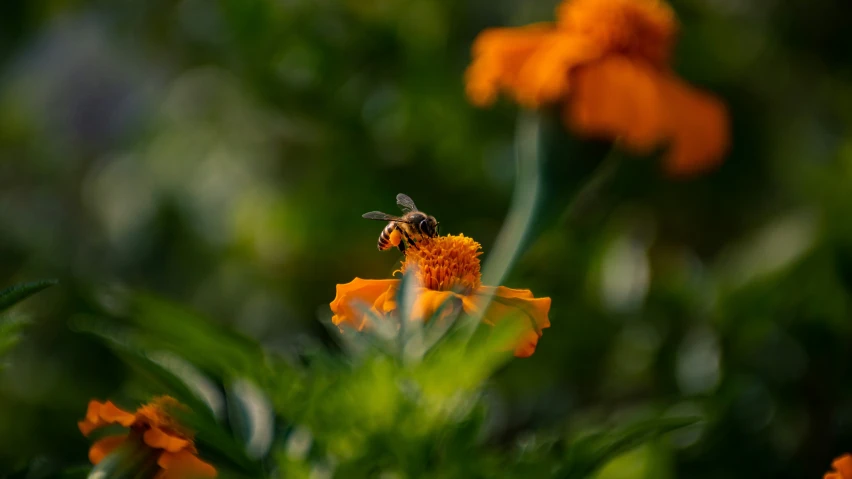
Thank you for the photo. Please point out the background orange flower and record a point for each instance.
(842, 468)
(158, 431)
(607, 61)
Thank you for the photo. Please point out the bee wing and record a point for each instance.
(405, 202)
(378, 215)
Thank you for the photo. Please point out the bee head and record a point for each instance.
(429, 226)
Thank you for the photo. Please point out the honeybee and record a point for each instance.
(412, 225)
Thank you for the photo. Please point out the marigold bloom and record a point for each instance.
(607, 62)
(448, 280)
(842, 468)
(157, 430)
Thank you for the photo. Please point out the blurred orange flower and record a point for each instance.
(157, 430)
(447, 273)
(842, 468)
(607, 62)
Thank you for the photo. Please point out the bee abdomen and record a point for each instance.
(385, 237)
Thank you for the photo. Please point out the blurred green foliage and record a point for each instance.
(220, 154)
(11, 327)
(370, 414)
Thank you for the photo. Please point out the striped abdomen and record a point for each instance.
(390, 237)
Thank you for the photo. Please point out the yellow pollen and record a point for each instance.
(445, 263)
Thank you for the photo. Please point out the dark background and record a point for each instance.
(220, 154)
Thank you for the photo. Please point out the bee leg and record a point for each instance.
(408, 238)
(400, 232)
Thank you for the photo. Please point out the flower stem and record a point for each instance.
(524, 201)
(521, 213)
(602, 175)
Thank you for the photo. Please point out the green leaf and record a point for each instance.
(9, 332)
(19, 292)
(593, 451)
(251, 417)
(10, 327)
(196, 339)
(43, 467)
(76, 472)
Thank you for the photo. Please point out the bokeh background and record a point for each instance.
(220, 153)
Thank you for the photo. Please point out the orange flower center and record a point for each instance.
(445, 263)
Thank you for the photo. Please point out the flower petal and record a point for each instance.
(93, 411)
(104, 447)
(100, 414)
(498, 55)
(508, 302)
(112, 414)
(842, 467)
(354, 298)
(386, 302)
(183, 465)
(159, 439)
(644, 108)
(640, 28)
(699, 129)
(545, 76)
(526, 344)
(429, 303)
(87, 427)
(619, 98)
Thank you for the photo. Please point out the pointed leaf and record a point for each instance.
(592, 452)
(19, 292)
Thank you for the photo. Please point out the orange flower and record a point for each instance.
(607, 62)
(446, 269)
(156, 429)
(842, 468)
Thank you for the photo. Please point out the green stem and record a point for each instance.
(524, 201)
(602, 175)
(521, 213)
